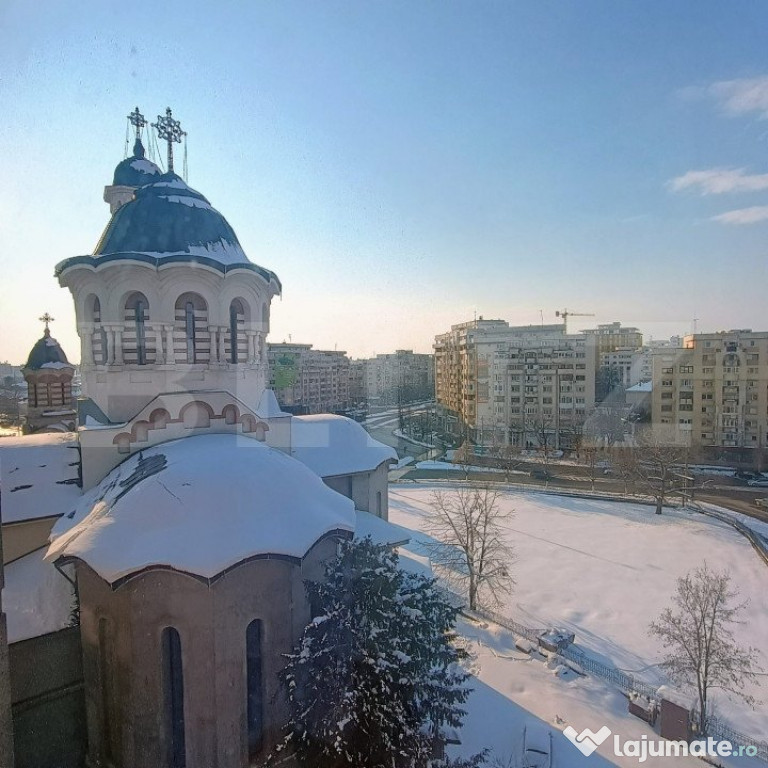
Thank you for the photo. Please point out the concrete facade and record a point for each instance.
(307, 380)
(525, 386)
(714, 392)
(402, 376)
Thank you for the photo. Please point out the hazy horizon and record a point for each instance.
(404, 167)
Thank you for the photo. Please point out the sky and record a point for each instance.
(403, 166)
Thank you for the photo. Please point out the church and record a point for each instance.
(157, 531)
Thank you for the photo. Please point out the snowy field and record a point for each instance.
(605, 570)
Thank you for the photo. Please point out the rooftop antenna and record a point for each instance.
(169, 130)
(541, 312)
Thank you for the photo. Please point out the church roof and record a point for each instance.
(47, 353)
(200, 505)
(335, 445)
(38, 476)
(136, 171)
(168, 222)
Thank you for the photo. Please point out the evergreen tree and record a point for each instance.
(376, 675)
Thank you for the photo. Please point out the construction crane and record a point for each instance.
(565, 314)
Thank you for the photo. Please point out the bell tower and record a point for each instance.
(168, 301)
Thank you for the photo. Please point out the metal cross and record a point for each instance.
(46, 318)
(169, 130)
(136, 119)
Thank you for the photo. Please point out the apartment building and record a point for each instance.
(400, 377)
(609, 337)
(307, 380)
(358, 389)
(525, 386)
(628, 366)
(714, 390)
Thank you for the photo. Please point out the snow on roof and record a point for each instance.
(413, 563)
(37, 599)
(200, 505)
(335, 445)
(643, 386)
(37, 474)
(381, 531)
(268, 407)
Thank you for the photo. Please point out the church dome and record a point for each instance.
(47, 353)
(168, 218)
(136, 171)
(201, 505)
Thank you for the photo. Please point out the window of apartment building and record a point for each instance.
(753, 359)
(707, 371)
(666, 382)
(685, 407)
(707, 396)
(686, 382)
(686, 369)
(685, 421)
(667, 370)
(666, 395)
(707, 384)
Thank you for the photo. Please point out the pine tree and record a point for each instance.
(377, 673)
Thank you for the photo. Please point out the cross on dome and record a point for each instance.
(46, 318)
(169, 130)
(138, 121)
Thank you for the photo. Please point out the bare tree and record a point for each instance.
(697, 635)
(659, 457)
(468, 525)
(590, 452)
(624, 462)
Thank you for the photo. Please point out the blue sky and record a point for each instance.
(403, 165)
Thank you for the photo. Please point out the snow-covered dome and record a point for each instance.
(136, 171)
(47, 353)
(168, 218)
(200, 505)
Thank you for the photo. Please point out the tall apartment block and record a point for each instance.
(400, 377)
(524, 386)
(714, 391)
(307, 380)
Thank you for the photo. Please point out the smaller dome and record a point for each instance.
(135, 171)
(47, 354)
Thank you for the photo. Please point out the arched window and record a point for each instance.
(135, 334)
(189, 330)
(173, 699)
(99, 341)
(255, 700)
(237, 341)
(233, 332)
(192, 339)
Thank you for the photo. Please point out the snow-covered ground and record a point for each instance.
(605, 570)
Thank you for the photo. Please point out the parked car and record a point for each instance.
(761, 483)
(541, 474)
(537, 746)
(746, 474)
